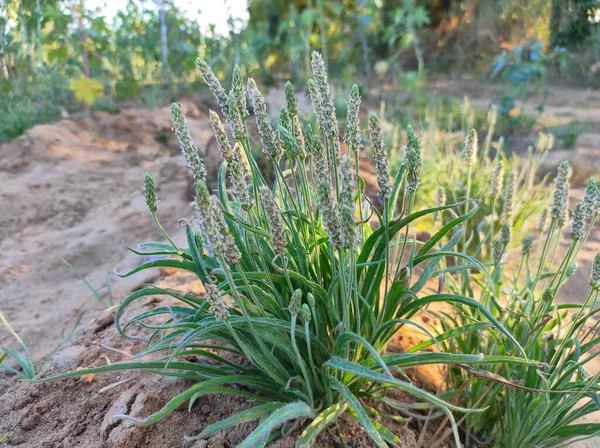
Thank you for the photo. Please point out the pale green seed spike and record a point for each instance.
(305, 313)
(527, 243)
(595, 274)
(310, 299)
(296, 302)
(505, 234)
(222, 140)
(188, 148)
(150, 193)
(270, 144)
(213, 84)
(288, 142)
(284, 118)
(315, 98)
(299, 135)
(290, 99)
(578, 223)
(276, 225)
(202, 196)
(413, 160)
(548, 295)
(470, 148)
(496, 179)
(558, 209)
(501, 242)
(353, 135)
(237, 85)
(218, 306)
(509, 195)
(590, 197)
(314, 147)
(380, 159)
(235, 120)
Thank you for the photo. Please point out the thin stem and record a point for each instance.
(164, 232)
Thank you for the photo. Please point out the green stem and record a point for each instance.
(164, 232)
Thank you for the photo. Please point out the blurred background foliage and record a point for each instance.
(63, 56)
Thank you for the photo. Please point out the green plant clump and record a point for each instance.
(306, 280)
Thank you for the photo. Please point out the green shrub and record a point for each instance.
(541, 405)
(301, 287)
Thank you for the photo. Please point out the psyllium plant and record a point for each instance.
(537, 406)
(503, 185)
(305, 280)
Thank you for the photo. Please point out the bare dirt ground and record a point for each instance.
(73, 190)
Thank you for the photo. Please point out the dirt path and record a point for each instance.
(73, 190)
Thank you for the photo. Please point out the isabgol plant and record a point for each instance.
(533, 406)
(305, 279)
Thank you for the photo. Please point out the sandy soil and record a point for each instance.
(73, 190)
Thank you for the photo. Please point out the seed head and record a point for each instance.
(501, 242)
(505, 234)
(591, 197)
(271, 146)
(492, 115)
(380, 157)
(496, 179)
(314, 147)
(347, 181)
(527, 243)
(509, 195)
(217, 305)
(222, 140)
(548, 295)
(305, 313)
(290, 99)
(558, 209)
(578, 223)
(299, 136)
(331, 220)
(315, 98)
(440, 200)
(240, 184)
(595, 275)
(413, 160)
(188, 148)
(288, 142)
(353, 136)
(276, 226)
(440, 197)
(150, 193)
(214, 227)
(470, 148)
(348, 187)
(238, 129)
(237, 85)
(213, 84)
(328, 123)
(310, 299)
(284, 117)
(544, 142)
(296, 302)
